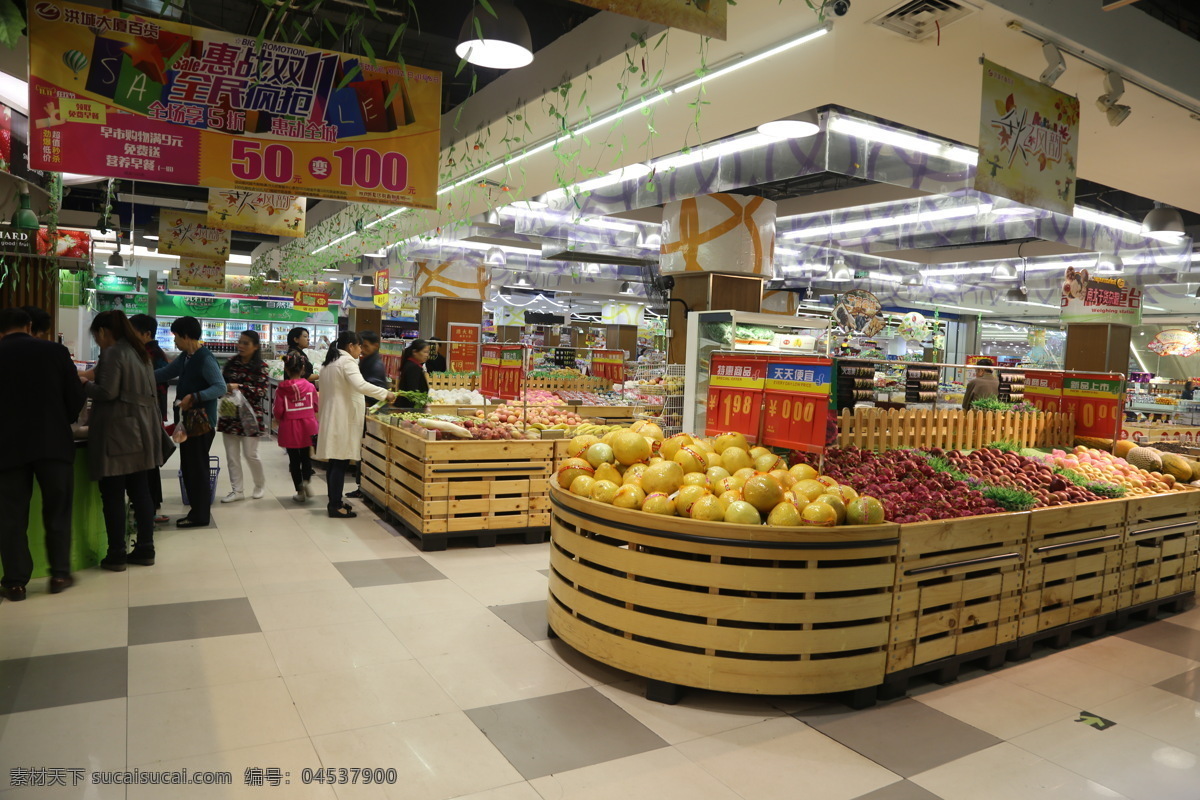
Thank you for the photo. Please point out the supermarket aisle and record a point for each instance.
(282, 640)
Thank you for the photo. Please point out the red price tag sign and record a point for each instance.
(464, 347)
(1045, 390)
(735, 395)
(1096, 402)
(489, 379)
(609, 364)
(797, 403)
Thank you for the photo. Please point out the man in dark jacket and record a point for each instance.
(39, 400)
(985, 385)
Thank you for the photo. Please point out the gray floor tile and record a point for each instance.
(905, 736)
(1172, 638)
(527, 619)
(199, 620)
(387, 527)
(901, 790)
(27, 684)
(561, 732)
(387, 571)
(1186, 685)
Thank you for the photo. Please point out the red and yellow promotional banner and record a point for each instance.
(1095, 400)
(503, 371)
(463, 350)
(182, 233)
(124, 96)
(609, 364)
(797, 402)
(200, 273)
(257, 212)
(310, 302)
(383, 288)
(1044, 390)
(735, 395)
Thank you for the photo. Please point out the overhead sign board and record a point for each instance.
(124, 96)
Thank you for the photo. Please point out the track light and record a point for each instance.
(501, 41)
(1164, 221)
(625, 288)
(1114, 86)
(115, 260)
(495, 257)
(1055, 65)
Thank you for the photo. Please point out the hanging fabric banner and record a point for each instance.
(182, 233)
(256, 212)
(1028, 140)
(199, 273)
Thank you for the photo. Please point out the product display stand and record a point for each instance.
(856, 610)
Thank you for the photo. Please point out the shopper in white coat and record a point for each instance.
(340, 440)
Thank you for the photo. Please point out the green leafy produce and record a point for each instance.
(1007, 445)
(1010, 499)
(1033, 452)
(1110, 490)
(754, 332)
(1071, 475)
(989, 404)
(942, 465)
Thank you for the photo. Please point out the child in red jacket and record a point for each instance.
(296, 402)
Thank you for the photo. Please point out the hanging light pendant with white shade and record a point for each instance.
(800, 126)
(496, 42)
(840, 272)
(1164, 221)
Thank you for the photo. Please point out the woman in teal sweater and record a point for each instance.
(200, 386)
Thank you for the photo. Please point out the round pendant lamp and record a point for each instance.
(496, 42)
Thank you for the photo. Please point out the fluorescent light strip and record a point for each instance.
(338, 240)
(655, 98)
(1121, 224)
(888, 222)
(947, 305)
(1154, 308)
(1031, 303)
(386, 216)
(859, 129)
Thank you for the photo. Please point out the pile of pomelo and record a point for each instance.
(717, 480)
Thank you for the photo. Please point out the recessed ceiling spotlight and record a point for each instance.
(800, 126)
(501, 41)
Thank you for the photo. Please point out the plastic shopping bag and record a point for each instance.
(247, 416)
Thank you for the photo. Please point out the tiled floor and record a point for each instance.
(281, 639)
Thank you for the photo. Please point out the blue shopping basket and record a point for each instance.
(214, 469)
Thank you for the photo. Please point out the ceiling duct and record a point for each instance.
(920, 19)
(557, 251)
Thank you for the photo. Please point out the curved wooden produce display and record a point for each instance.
(734, 608)
(762, 610)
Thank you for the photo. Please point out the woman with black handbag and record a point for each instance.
(200, 386)
(125, 437)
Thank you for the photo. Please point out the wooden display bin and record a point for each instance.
(463, 488)
(726, 607)
(958, 587)
(607, 412)
(442, 380)
(1161, 548)
(1073, 564)
(374, 465)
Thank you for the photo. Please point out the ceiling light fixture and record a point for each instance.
(495, 257)
(867, 131)
(934, 215)
(912, 279)
(649, 99)
(1055, 65)
(1004, 272)
(946, 305)
(1164, 221)
(499, 41)
(115, 260)
(840, 272)
(800, 126)
(625, 288)
(1114, 86)
(272, 276)
(150, 236)
(1110, 265)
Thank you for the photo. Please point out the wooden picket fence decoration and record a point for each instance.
(950, 429)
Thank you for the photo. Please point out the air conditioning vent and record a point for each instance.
(920, 19)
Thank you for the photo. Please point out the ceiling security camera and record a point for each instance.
(841, 7)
